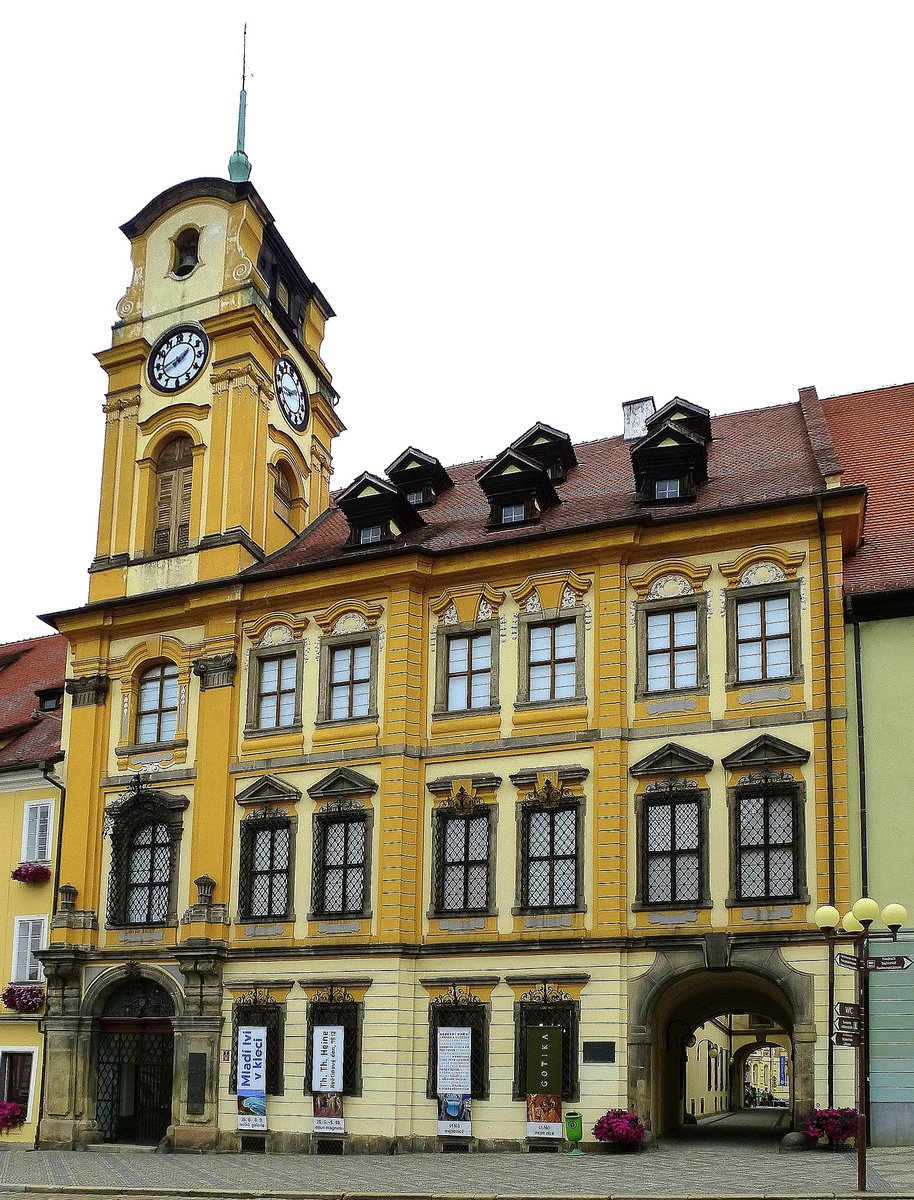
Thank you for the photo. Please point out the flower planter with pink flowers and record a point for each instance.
(12, 1115)
(619, 1130)
(23, 998)
(31, 873)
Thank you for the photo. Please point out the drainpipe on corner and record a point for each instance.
(46, 771)
(829, 782)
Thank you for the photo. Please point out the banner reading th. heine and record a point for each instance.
(544, 1081)
(327, 1078)
(453, 1082)
(251, 1080)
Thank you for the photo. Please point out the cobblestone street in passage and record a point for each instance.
(737, 1156)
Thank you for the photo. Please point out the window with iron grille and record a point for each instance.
(672, 649)
(341, 845)
(350, 681)
(461, 857)
(469, 671)
(549, 859)
(265, 867)
(148, 875)
(142, 880)
(465, 1013)
(276, 690)
(271, 1015)
(561, 1014)
(673, 866)
(157, 706)
(337, 1007)
(768, 862)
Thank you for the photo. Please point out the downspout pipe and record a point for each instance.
(829, 780)
(48, 776)
(861, 748)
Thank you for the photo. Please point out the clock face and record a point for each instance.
(290, 393)
(177, 358)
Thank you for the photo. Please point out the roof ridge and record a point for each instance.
(39, 637)
(886, 387)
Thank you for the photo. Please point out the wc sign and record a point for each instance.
(251, 1079)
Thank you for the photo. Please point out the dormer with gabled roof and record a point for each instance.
(671, 460)
(376, 511)
(419, 477)
(518, 489)
(548, 446)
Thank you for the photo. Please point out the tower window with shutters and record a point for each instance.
(174, 475)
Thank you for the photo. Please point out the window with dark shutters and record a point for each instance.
(174, 481)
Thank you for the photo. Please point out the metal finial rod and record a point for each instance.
(239, 163)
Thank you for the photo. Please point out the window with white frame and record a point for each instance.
(17, 1070)
(36, 831)
(29, 935)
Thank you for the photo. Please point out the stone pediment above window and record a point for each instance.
(419, 477)
(684, 415)
(765, 753)
(342, 784)
(268, 790)
(550, 447)
(376, 511)
(672, 759)
(518, 489)
(463, 605)
(349, 616)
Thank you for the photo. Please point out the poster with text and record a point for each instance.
(251, 1077)
(453, 1083)
(544, 1081)
(327, 1078)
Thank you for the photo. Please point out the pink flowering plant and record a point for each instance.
(837, 1125)
(31, 873)
(12, 1115)
(619, 1127)
(23, 998)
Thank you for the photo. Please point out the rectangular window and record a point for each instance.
(549, 857)
(29, 936)
(513, 514)
(16, 1077)
(276, 691)
(469, 671)
(340, 861)
(445, 1014)
(763, 639)
(552, 661)
(36, 831)
(369, 534)
(673, 852)
(561, 1014)
(666, 489)
(462, 862)
(350, 681)
(672, 649)
(348, 1015)
(271, 1015)
(417, 496)
(766, 845)
(265, 868)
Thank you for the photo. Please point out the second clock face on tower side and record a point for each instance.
(177, 358)
(290, 393)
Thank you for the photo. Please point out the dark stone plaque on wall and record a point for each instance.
(196, 1084)
(599, 1052)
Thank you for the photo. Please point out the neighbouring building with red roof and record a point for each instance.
(31, 708)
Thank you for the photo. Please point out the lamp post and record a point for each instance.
(856, 925)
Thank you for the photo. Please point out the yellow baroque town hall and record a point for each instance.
(552, 739)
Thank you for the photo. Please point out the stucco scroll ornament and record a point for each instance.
(277, 635)
(351, 623)
(667, 586)
(463, 802)
(449, 616)
(485, 610)
(239, 263)
(533, 604)
(761, 572)
(456, 995)
(333, 994)
(569, 599)
(130, 303)
(255, 996)
(763, 777)
(138, 788)
(343, 806)
(544, 993)
(671, 785)
(549, 795)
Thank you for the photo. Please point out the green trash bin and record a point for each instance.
(574, 1130)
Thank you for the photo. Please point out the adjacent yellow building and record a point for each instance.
(552, 739)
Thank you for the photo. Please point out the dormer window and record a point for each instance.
(418, 477)
(518, 489)
(513, 514)
(671, 460)
(282, 293)
(49, 699)
(186, 255)
(666, 489)
(369, 534)
(376, 511)
(550, 447)
(418, 496)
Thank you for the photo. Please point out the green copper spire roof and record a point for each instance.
(239, 164)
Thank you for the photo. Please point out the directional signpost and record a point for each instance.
(846, 1039)
(847, 1025)
(894, 962)
(843, 1009)
(849, 961)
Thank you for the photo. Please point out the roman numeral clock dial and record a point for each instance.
(177, 358)
(290, 393)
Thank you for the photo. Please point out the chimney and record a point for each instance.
(635, 414)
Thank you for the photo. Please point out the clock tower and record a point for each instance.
(220, 413)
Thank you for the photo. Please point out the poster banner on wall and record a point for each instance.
(251, 1078)
(783, 1070)
(327, 1078)
(453, 1083)
(544, 1081)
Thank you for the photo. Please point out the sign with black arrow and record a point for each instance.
(849, 961)
(895, 962)
(847, 1024)
(843, 1009)
(846, 1039)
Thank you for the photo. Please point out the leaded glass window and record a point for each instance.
(466, 1012)
(549, 858)
(763, 639)
(559, 1013)
(340, 864)
(469, 671)
(149, 875)
(672, 649)
(767, 844)
(552, 664)
(276, 691)
(350, 681)
(265, 866)
(462, 862)
(672, 840)
(157, 707)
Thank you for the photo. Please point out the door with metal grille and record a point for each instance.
(135, 1065)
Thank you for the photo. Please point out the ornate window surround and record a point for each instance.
(544, 1004)
(461, 1008)
(256, 819)
(461, 804)
(335, 1004)
(129, 670)
(760, 574)
(135, 809)
(344, 624)
(548, 793)
(274, 636)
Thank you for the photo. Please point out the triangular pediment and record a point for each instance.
(765, 751)
(268, 790)
(672, 759)
(683, 412)
(669, 434)
(341, 784)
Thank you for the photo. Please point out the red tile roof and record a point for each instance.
(36, 664)
(874, 437)
(757, 456)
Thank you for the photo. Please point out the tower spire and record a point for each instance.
(239, 164)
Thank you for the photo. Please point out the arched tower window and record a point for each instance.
(157, 706)
(283, 487)
(174, 475)
(186, 256)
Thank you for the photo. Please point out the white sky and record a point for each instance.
(520, 211)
